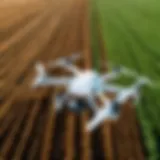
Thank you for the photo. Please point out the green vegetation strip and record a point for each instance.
(132, 37)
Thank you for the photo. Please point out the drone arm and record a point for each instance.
(49, 81)
(113, 88)
(64, 64)
(92, 104)
(137, 99)
(56, 81)
(72, 68)
(110, 76)
(95, 121)
(102, 115)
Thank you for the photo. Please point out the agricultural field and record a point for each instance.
(131, 34)
(46, 30)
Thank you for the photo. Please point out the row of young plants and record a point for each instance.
(129, 46)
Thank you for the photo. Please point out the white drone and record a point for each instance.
(112, 108)
(83, 85)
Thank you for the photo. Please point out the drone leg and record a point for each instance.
(92, 104)
(106, 113)
(99, 117)
(59, 102)
(115, 110)
(41, 74)
(73, 105)
(40, 69)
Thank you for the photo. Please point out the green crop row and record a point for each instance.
(131, 34)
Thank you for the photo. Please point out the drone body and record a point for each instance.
(82, 84)
(82, 88)
(85, 84)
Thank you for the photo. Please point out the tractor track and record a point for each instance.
(29, 127)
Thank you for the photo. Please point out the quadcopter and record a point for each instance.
(112, 108)
(81, 88)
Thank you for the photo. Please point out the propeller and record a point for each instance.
(65, 60)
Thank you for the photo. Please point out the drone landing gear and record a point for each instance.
(115, 111)
(59, 102)
(77, 105)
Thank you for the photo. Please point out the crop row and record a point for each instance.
(129, 41)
